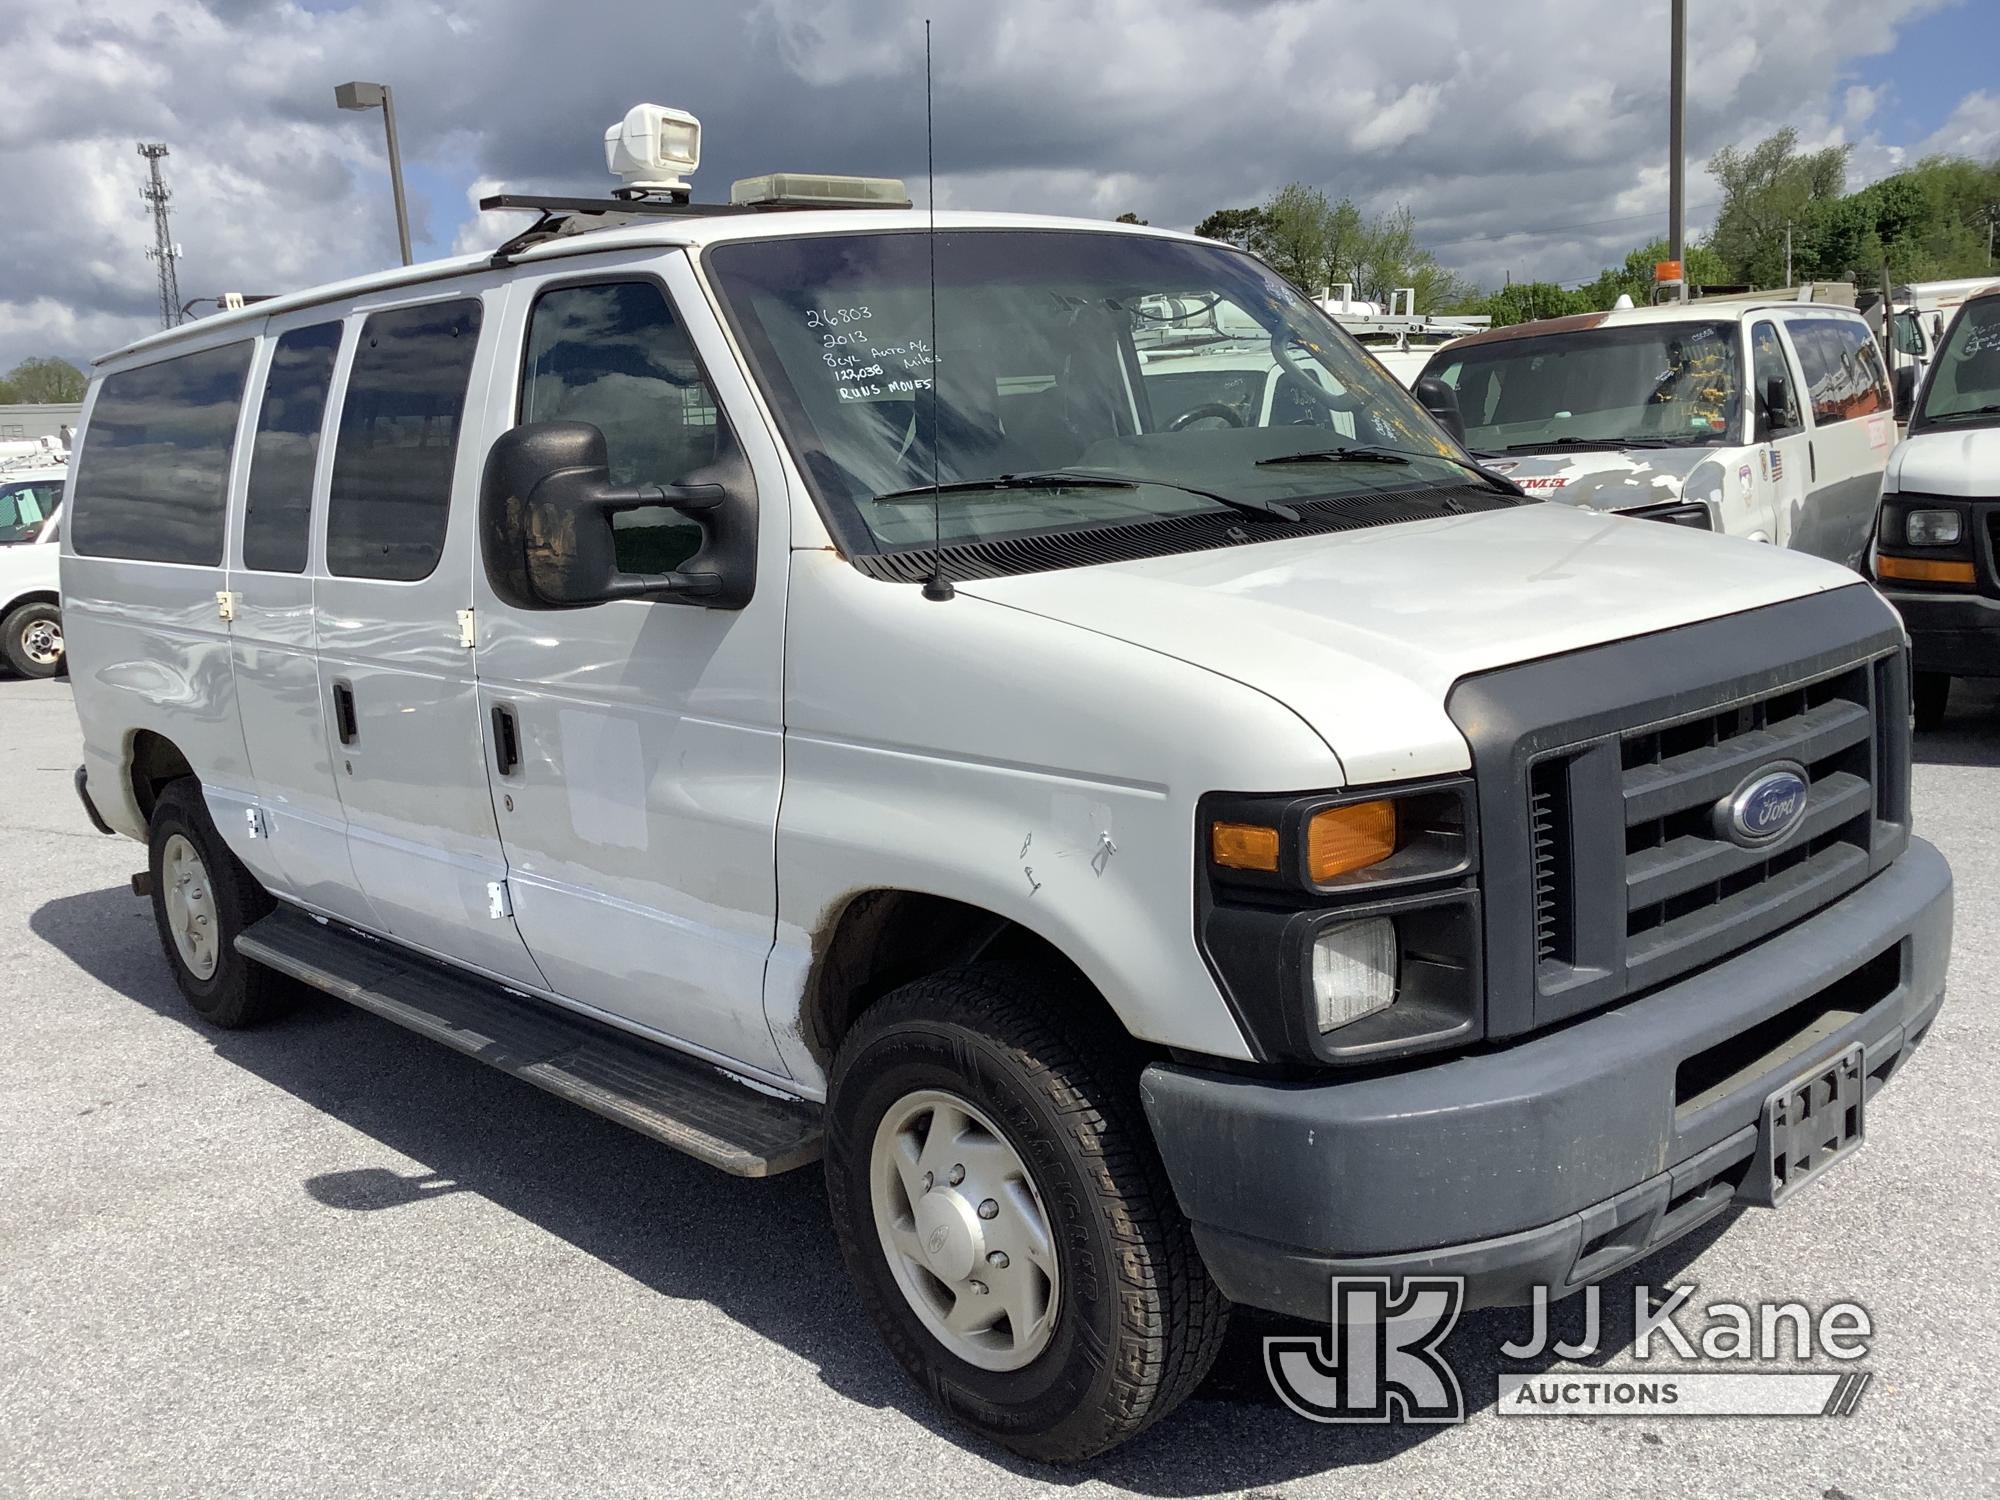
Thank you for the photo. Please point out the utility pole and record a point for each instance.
(1788, 252)
(1677, 145)
(164, 250)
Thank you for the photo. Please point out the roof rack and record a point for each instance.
(557, 214)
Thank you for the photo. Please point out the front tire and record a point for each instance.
(202, 898)
(31, 639)
(1930, 693)
(1061, 1306)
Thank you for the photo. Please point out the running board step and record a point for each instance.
(667, 1095)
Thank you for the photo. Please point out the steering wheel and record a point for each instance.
(1193, 414)
(1318, 394)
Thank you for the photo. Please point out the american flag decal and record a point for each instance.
(1777, 464)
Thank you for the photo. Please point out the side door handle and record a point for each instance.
(345, 725)
(506, 739)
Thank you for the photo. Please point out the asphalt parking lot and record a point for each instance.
(326, 1257)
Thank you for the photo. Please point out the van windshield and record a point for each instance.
(1640, 385)
(1175, 368)
(1964, 387)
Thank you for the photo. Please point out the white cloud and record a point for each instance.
(1530, 143)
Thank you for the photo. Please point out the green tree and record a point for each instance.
(1763, 189)
(1634, 276)
(1388, 257)
(1245, 228)
(8, 395)
(1299, 218)
(1524, 301)
(1128, 217)
(46, 380)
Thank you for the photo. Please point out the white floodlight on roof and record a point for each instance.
(653, 148)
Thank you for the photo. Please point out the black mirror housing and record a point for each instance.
(1441, 401)
(546, 507)
(1906, 392)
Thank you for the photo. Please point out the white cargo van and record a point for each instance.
(31, 641)
(785, 679)
(1763, 420)
(1937, 548)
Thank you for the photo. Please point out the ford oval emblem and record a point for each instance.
(1765, 808)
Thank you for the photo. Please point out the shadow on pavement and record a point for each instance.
(1970, 735)
(760, 1252)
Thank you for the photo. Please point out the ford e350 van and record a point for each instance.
(1154, 865)
(1765, 420)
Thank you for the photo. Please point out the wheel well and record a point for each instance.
(884, 939)
(156, 761)
(34, 596)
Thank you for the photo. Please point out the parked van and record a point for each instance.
(1937, 548)
(31, 639)
(1763, 420)
(782, 677)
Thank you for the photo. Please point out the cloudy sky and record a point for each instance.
(1527, 135)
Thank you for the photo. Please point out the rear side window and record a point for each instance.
(277, 512)
(392, 463)
(1843, 368)
(153, 479)
(614, 355)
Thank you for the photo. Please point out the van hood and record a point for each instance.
(1363, 633)
(1616, 479)
(1947, 461)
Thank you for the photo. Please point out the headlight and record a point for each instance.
(1354, 971)
(1932, 528)
(1344, 926)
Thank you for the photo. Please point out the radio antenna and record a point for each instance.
(937, 586)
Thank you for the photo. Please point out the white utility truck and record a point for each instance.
(784, 676)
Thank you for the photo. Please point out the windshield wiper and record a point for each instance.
(1358, 454)
(1971, 411)
(1362, 453)
(1082, 479)
(1591, 442)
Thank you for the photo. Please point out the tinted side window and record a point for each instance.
(614, 355)
(1842, 367)
(23, 507)
(392, 462)
(152, 481)
(278, 507)
(1768, 363)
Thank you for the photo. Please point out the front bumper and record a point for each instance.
(1560, 1159)
(1957, 634)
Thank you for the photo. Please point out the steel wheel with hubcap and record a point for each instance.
(202, 898)
(1002, 1209)
(190, 905)
(965, 1230)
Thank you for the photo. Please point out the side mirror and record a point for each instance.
(1441, 401)
(1771, 404)
(546, 505)
(1906, 392)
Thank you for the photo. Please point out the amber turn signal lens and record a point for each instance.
(1344, 839)
(1924, 570)
(1243, 846)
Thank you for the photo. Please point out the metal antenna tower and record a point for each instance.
(163, 250)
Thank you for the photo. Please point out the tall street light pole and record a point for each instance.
(1677, 146)
(374, 96)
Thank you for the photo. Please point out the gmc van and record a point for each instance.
(783, 677)
(1937, 547)
(1769, 420)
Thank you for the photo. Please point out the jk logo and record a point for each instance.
(1379, 1358)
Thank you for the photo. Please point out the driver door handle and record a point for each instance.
(506, 740)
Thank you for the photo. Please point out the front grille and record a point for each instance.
(1684, 882)
(1548, 817)
(1599, 774)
